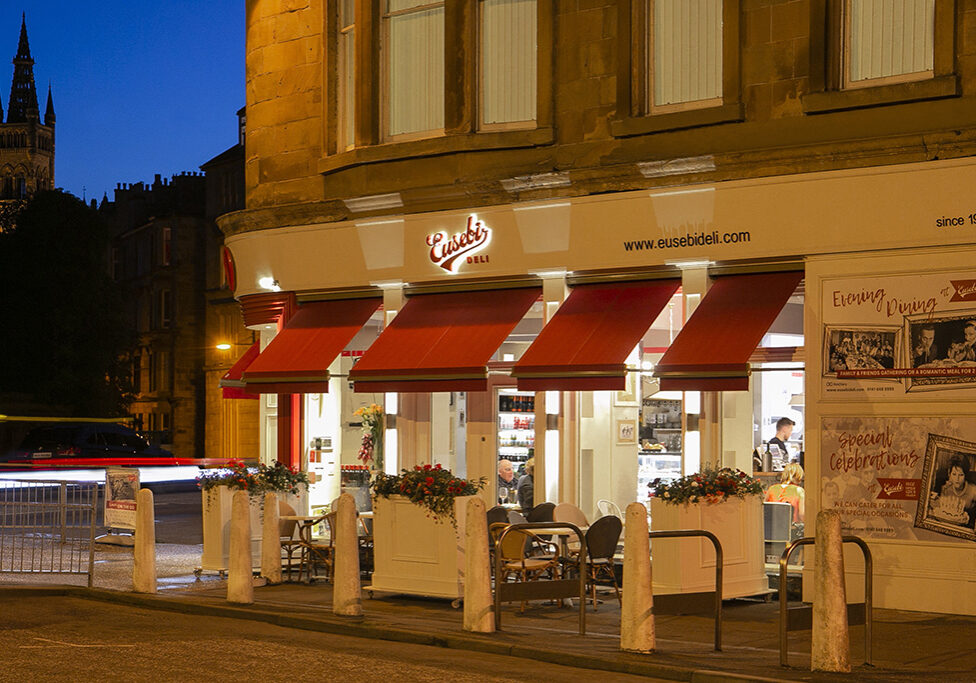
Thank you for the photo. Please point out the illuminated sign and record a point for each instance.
(450, 252)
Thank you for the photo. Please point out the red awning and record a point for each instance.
(711, 353)
(585, 345)
(232, 384)
(442, 342)
(297, 360)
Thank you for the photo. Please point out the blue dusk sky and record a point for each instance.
(139, 87)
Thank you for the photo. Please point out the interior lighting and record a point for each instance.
(700, 263)
(223, 346)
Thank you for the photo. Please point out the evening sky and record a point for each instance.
(139, 87)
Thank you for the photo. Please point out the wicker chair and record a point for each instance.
(317, 551)
(516, 561)
(287, 535)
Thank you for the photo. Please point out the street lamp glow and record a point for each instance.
(269, 283)
(224, 346)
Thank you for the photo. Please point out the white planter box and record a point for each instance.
(688, 565)
(413, 553)
(217, 503)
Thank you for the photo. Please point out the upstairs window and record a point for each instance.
(347, 74)
(686, 41)
(413, 35)
(508, 62)
(888, 41)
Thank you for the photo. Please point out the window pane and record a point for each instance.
(508, 60)
(415, 64)
(889, 38)
(687, 51)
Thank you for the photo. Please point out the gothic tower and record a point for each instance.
(26, 144)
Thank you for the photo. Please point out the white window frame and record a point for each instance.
(651, 73)
(386, 94)
(847, 60)
(482, 98)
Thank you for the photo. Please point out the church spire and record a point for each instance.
(22, 106)
(49, 112)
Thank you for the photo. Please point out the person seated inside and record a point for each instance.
(526, 487)
(790, 491)
(506, 476)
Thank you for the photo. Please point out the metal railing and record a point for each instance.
(48, 527)
(540, 589)
(683, 603)
(801, 618)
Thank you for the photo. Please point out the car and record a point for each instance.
(85, 443)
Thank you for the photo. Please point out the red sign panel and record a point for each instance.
(899, 489)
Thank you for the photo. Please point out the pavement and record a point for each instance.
(907, 646)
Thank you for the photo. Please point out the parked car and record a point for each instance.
(85, 443)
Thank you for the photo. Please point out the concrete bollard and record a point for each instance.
(347, 597)
(830, 648)
(144, 551)
(240, 580)
(271, 540)
(636, 616)
(478, 603)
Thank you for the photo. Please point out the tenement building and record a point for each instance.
(626, 240)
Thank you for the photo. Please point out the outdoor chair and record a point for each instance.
(515, 559)
(497, 514)
(567, 512)
(287, 534)
(365, 545)
(608, 507)
(777, 521)
(317, 551)
(516, 517)
(601, 545)
(541, 513)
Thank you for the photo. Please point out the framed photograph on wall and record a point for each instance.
(860, 348)
(941, 341)
(627, 397)
(626, 432)
(947, 504)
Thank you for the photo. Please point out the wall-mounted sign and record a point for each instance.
(450, 252)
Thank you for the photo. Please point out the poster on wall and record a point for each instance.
(893, 336)
(904, 478)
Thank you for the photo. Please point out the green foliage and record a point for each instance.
(707, 486)
(278, 478)
(65, 331)
(431, 487)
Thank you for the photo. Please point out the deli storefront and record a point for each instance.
(619, 338)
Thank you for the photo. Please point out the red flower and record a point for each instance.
(429, 480)
(426, 468)
(437, 466)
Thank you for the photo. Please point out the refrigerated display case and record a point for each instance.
(515, 421)
(660, 440)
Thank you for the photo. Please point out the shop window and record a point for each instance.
(346, 53)
(413, 37)
(164, 308)
(508, 49)
(679, 65)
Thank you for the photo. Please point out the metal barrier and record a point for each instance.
(682, 603)
(48, 527)
(555, 589)
(801, 618)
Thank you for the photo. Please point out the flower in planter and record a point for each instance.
(256, 481)
(707, 486)
(432, 487)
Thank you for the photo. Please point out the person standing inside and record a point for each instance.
(526, 486)
(784, 430)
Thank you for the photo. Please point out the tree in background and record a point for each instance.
(64, 329)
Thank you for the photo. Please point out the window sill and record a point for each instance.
(693, 118)
(446, 144)
(897, 93)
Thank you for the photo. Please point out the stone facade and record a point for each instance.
(783, 110)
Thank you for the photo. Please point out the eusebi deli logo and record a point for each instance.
(450, 252)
